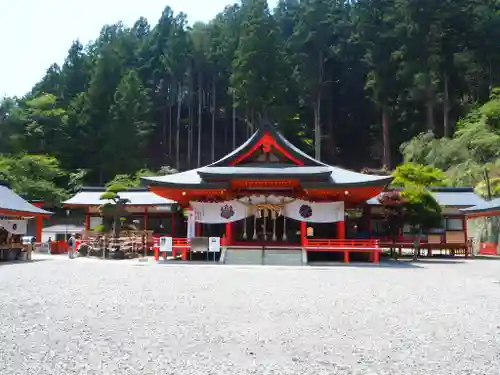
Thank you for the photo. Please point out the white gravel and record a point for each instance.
(123, 317)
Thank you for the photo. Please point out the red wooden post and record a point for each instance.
(229, 234)
(376, 257)
(464, 220)
(346, 256)
(341, 230)
(87, 222)
(156, 253)
(146, 219)
(39, 226)
(198, 229)
(303, 233)
(172, 220)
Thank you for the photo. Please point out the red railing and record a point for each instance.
(348, 246)
(181, 245)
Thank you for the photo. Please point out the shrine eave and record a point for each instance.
(304, 183)
(12, 204)
(309, 177)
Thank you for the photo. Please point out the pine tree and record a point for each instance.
(129, 128)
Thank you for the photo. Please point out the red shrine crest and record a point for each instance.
(305, 211)
(226, 211)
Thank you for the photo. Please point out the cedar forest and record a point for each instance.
(366, 85)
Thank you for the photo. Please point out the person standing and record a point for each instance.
(49, 242)
(71, 243)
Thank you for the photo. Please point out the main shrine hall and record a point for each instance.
(268, 192)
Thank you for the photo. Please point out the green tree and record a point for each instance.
(421, 211)
(35, 177)
(129, 128)
(411, 174)
(134, 180)
(114, 206)
(43, 130)
(75, 73)
(258, 59)
(312, 49)
(376, 25)
(413, 205)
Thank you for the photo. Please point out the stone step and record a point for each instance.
(283, 257)
(243, 256)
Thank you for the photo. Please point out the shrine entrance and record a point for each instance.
(278, 231)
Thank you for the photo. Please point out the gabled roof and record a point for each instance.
(63, 228)
(301, 166)
(449, 197)
(484, 207)
(90, 196)
(265, 129)
(10, 202)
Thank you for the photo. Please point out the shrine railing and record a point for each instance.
(345, 246)
(181, 245)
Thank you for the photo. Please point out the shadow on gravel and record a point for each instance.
(21, 262)
(440, 261)
(382, 264)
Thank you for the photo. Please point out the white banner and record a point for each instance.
(315, 212)
(223, 212)
(14, 226)
(191, 227)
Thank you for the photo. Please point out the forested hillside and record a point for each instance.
(348, 81)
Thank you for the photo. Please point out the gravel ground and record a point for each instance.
(125, 317)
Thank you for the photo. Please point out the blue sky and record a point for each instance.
(36, 33)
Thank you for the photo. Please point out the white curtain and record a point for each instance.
(14, 226)
(315, 212)
(222, 212)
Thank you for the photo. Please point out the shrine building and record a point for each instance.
(268, 192)
(269, 196)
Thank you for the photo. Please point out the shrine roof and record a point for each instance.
(90, 196)
(330, 176)
(484, 207)
(449, 197)
(301, 166)
(10, 202)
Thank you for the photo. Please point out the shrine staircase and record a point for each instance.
(258, 255)
(283, 257)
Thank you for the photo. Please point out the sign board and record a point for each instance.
(166, 244)
(214, 244)
(45, 247)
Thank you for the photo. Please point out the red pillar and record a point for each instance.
(303, 233)
(341, 230)
(87, 222)
(198, 229)
(464, 220)
(39, 226)
(229, 234)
